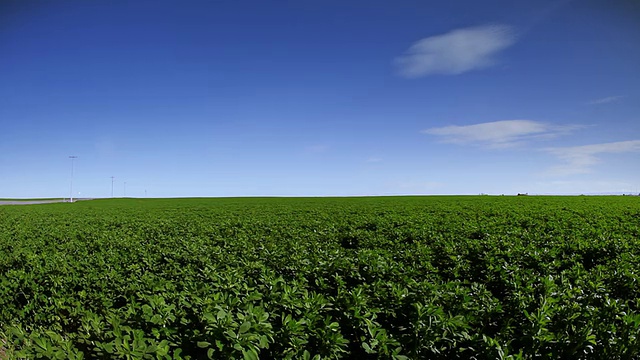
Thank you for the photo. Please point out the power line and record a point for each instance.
(72, 157)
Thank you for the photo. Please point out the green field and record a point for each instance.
(322, 278)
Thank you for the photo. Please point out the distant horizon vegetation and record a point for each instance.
(66, 199)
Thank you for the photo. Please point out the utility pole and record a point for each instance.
(113, 177)
(125, 189)
(72, 157)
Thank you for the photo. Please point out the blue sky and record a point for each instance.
(285, 98)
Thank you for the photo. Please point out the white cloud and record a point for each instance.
(582, 159)
(499, 134)
(606, 100)
(455, 52)
(373, 160)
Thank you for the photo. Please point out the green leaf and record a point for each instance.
(250, 354)
(264, 342)
(244, 327)
(209, 317)
(203, 344)
(367, 348)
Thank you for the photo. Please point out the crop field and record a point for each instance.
(322, 278)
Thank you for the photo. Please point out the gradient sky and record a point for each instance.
(244, 98)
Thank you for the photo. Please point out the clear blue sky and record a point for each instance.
(244, 98)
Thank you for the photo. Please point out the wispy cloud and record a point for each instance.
(455, 52)
(373, 160)
(499, 134)
(583, 186)
(582, 159)
(606, 100)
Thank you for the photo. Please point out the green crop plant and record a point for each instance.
(322, 278)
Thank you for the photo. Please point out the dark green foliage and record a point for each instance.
(359, 278)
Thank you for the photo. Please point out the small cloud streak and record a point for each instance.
(606, 100)
(586, 187)
(373, 160)
(455, 52)
(499, 134)
(582, 159)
